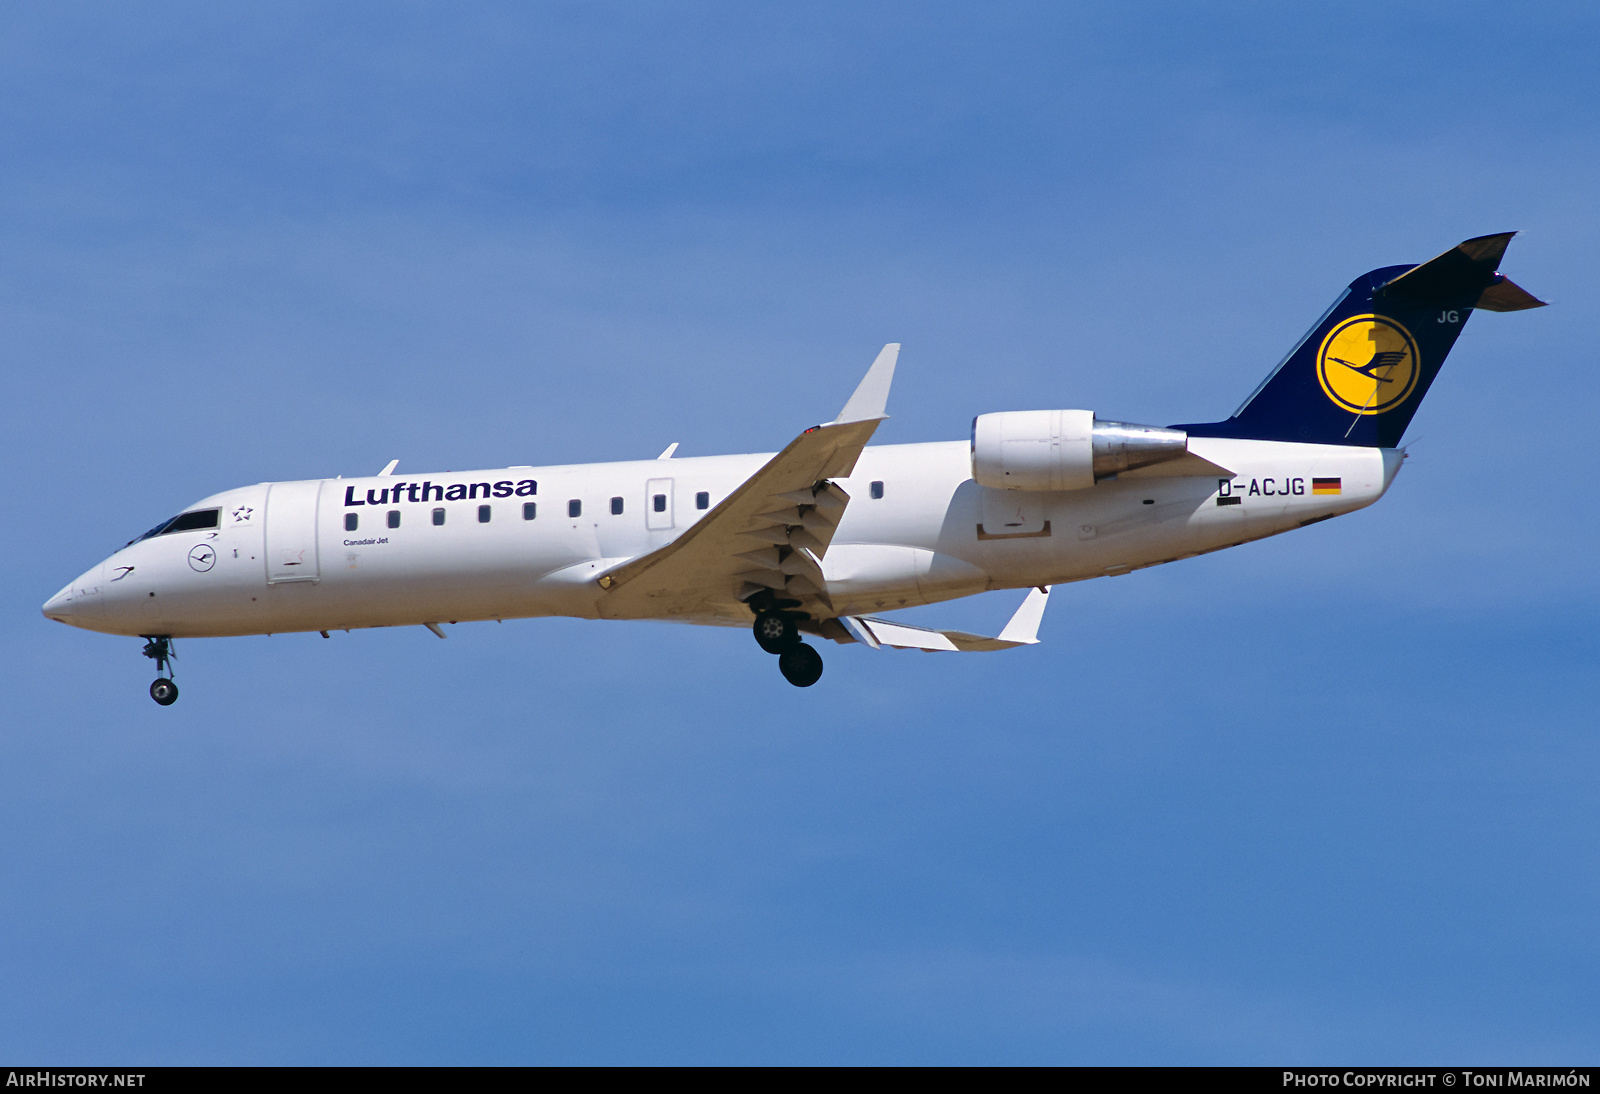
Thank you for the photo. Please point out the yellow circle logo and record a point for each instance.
(1368, 364)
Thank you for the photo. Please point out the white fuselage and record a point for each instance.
(282, 557)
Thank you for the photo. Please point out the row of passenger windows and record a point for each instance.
(530, 510)
(658, 502)
(352, 521)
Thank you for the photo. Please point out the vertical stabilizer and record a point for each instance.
(1360, 373)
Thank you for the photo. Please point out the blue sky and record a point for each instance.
(1329, 797)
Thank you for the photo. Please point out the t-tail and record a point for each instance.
(1359, 375)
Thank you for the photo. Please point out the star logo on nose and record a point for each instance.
(242, 514)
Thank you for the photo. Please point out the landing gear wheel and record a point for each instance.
(164, 691)
(800, 665)
(775, 632)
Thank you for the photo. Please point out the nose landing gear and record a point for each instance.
(158, 648)
(776, 632)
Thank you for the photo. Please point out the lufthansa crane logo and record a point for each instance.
(1368, 364)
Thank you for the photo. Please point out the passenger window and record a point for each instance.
(702, 500)
(438, 516)
(616, 507)
(659, 503)
(877, 489)
(529, 510)
(351, 521)
(483, 514)
(574, 508)
(394, 518)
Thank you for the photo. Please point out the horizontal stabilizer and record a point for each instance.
(1465, 274)
(1022, 630)
(1507, 295)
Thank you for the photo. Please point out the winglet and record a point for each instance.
(667, 455)
(388, 468)
(872, 394)
(1024, 626)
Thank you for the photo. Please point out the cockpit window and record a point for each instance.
(197, 521)
(193, 522)
(156, 531)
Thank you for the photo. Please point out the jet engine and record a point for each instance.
(1064, 449)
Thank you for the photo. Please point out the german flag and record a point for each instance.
(1327, 486)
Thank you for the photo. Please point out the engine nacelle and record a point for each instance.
(1063, 449)
(1034, 449)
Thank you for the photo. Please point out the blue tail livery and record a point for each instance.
(1360, 373)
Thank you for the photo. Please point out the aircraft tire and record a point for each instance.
(164, 691)
(775, 632)
(801, 665)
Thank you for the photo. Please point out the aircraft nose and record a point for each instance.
(80, 603)
(60, 607)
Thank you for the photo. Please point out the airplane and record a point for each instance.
(815, 539)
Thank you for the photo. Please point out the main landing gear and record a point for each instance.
(158, 648)
(776, 632)
(801, 665)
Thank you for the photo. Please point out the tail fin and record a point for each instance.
(1359, 375)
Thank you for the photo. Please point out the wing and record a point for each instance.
(769, 534)
(1022, 630)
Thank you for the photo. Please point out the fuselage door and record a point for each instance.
(658, 504)
(1012, 513)
(292, 531)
